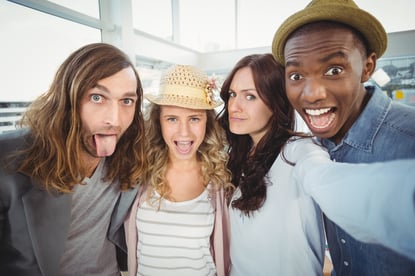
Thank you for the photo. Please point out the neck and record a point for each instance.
(183, 164)
(91, 163)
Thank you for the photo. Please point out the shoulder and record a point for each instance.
(386, 117)
(399, 122)
(396, 114)
(401, 115)
(14, 134)
(13, 140)
(13, 185)
(10, 143)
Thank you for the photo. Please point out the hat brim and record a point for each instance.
(357, 18)
(181, 101)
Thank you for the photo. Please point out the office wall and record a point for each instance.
(400, 44)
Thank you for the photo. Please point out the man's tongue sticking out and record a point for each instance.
(105, 144)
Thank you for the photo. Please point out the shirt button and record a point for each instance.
(343, 241)
(346, 263)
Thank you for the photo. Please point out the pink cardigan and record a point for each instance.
(219, 239)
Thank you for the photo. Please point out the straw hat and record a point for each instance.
(185, 86)
(343, 11)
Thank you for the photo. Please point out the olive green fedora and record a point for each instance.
(343, 11)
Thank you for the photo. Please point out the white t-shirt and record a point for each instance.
(285, 236)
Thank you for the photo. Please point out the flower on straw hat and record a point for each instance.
(342, 11)
(211, 89)
(186, 86)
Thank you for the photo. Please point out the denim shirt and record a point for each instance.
(385, 130)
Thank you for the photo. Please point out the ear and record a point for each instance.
(368, 67)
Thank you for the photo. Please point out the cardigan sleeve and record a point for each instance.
(221, 235)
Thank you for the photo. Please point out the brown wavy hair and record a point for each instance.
(249, 171)
(211, 154)
(54, 155)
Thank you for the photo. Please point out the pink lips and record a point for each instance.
(235, 119)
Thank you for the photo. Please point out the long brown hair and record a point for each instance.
(249, 171)
(54, 155)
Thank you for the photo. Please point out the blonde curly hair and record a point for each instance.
(211, 154)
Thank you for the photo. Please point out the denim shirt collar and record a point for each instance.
(370, 120)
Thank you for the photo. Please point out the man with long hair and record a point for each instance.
(67, 177)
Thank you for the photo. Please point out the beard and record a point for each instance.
(88, 139)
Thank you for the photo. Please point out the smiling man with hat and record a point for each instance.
(329, 50)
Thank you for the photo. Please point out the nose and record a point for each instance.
(234, 104)
(112, 114)
(184, 128)
(314, 91)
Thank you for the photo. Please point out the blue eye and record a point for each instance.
(96, 98)
(128, 101)
(232, 94)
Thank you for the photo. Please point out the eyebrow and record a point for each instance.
(196, 113)
(107, 91)
(244, 90)
(333, 55)
(292, 63)
(321, 60)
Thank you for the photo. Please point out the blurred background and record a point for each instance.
(37, 35)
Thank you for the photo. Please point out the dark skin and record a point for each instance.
(325, 74)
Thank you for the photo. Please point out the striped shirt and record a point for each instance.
(175, 240)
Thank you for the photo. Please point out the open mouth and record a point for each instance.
(320, 118)
(184, 147)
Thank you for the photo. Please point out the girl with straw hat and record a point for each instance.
(178, 223)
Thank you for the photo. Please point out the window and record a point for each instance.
(33, 47)
(153, 17)
(207, 25)
(257, 29)
(396, 76)
(88, 7)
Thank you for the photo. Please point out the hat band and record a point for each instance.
(183, 91)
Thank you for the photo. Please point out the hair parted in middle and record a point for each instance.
(249, 171)
(211, 154)
(54, 156)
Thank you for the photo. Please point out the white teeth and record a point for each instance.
(316, 112)
(183, 143)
